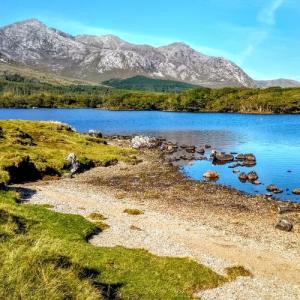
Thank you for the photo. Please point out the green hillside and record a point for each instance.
(149, 84)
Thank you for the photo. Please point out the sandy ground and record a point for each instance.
(211, 224)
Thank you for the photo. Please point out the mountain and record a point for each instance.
(149, 84)
(100, 58)
(278, 82)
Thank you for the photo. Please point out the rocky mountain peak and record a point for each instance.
(98, 58)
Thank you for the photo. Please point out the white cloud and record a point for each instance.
(267, 15)
(267, 19)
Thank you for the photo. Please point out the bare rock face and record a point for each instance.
(104, 57)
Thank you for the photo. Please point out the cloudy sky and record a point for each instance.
(262, 36)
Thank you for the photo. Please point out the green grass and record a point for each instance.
(44, 255)
(96, 216)
(133, 211)
(43, 146)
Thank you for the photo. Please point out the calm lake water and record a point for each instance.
(274, 139)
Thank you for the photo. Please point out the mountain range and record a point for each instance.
(100, 58)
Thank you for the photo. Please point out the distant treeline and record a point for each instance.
(17, 91)
(149, 84)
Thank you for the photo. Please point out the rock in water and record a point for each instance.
(284, 225)
(296, 191)
(243, 176)
(274, 189)
(221, 157)
(211, 175)
(252, 176)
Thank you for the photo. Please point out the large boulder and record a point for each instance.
(140, 141)
(211, 175)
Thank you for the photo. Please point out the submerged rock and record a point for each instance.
(190, 149)
(201, 151)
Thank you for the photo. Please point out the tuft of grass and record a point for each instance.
(39, 149)
(47, 205)
(237, 271)
(133, 211)
(96, 216)
(45, 254)
(101, 225)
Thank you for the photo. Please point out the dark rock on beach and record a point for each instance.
(284, 225)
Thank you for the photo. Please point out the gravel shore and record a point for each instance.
(214, 225)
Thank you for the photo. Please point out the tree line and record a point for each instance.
(17, 91)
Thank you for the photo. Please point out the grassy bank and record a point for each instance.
(20, 91)
(44, 254)
(30, 150)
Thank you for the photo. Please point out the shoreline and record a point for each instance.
(156, 110)
(211, 224)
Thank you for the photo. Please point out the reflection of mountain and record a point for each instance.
(219, 139)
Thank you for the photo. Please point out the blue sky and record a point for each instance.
(261, 36)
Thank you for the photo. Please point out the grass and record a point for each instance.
(47, 205)
(36, 149)
(45, 254)
(98, 220)
(96, 216)
(236, 271)
(133, 211)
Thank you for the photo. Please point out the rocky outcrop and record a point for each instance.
(99, 58)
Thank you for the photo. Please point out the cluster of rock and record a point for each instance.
(141, 141)
(95, 133)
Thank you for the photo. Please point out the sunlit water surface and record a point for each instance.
(274, 139)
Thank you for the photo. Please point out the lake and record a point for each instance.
(274, 139)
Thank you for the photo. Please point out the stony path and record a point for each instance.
(276, 273)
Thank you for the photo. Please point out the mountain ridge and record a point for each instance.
(100, 58)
